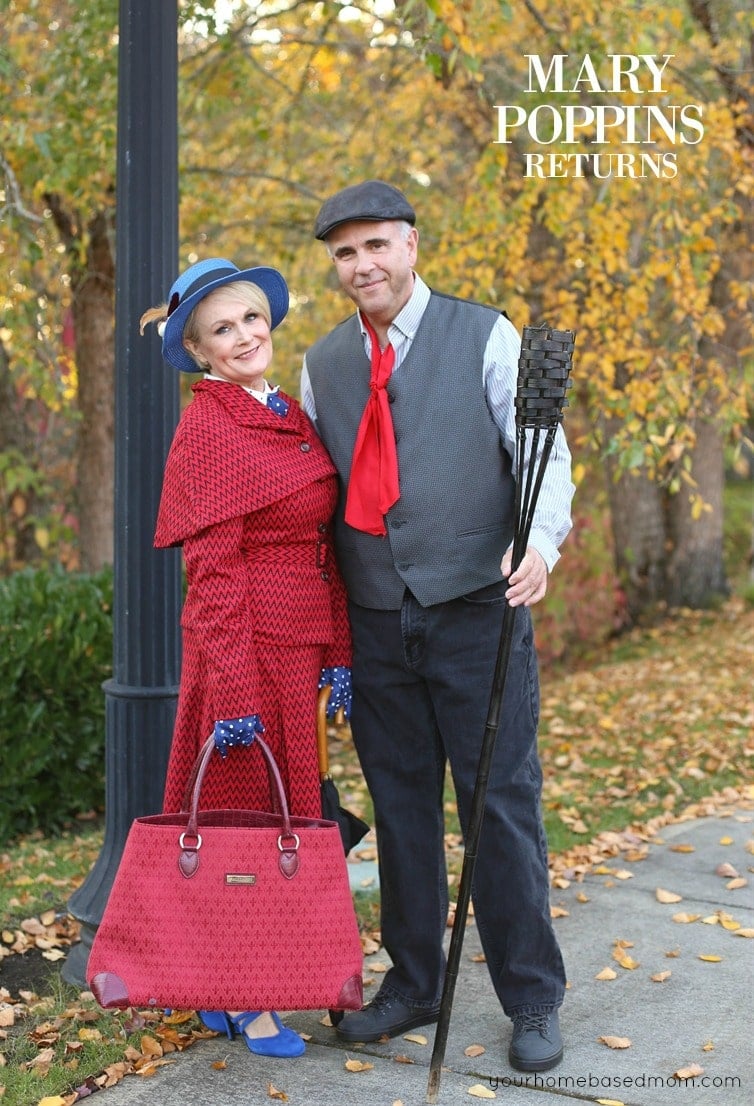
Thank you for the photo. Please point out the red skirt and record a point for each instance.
(288, 709)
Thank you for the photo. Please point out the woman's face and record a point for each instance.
(234, 340)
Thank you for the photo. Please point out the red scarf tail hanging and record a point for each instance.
(373, 487)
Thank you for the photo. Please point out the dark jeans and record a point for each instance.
(422, 679)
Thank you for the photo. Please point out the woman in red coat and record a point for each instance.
(248, 492)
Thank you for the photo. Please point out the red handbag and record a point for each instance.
(229, 910)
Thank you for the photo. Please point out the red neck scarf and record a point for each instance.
(373, 487)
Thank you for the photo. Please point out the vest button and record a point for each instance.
(322, 528)
(305, 447)
(390, 399)
(325, 575)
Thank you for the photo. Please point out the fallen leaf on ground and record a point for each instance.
(667, 896)
(480, 1091)
(616, 1042)
(682, 848)
(273, 1092)
(689, 1072)
(87, 1034)
(660, 977)
(150, 1047)
(606, 973)
(625, 960)
(220, 1065)
(558, 912)
(474, 1050)
(152, 1065)
(735, 884)
(685, 918)
(178, 1017)
(417, 1038)
(726, 841)
(610, 1102)
(32, 926)
(745, 933)
(726, 870)
(708, 1046)
(710, 957)
(358, 1065)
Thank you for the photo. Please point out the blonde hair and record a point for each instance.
(246, 291)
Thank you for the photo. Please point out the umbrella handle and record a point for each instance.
(323, 754)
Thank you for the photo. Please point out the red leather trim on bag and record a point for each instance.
(188, 862)
(288, 858)
(351, 995)
(109, 990)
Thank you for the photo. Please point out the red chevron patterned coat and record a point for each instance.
(249, 495)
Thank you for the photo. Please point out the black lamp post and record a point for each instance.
(141, 696)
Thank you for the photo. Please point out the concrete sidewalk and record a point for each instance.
(697, 1015)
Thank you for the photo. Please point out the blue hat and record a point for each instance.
(198, 281)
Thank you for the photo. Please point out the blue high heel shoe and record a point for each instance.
(286, 1042)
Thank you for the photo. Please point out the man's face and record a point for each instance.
(374, 262)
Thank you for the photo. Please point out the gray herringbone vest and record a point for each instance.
(448, 531)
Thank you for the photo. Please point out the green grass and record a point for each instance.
(40, 874)
(67, 1042)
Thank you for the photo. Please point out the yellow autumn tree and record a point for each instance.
(637, 239)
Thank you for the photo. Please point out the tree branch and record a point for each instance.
(15, 203)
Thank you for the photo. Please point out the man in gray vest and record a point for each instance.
(413, 396)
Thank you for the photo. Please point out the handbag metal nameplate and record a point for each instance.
(233, 877)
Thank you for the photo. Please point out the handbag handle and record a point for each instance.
(288, 841)
(186, 801)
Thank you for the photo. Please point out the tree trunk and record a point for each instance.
(94, 320)
(695, 572)
(638, 528)
(93, 284)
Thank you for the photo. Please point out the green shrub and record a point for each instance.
(55, 652)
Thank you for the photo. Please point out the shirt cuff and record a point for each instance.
(546, 549)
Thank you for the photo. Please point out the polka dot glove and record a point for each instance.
(339, 678)
(236, 731)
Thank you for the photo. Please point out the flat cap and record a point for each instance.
(372, 199)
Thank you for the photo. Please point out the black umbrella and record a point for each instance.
(543, 378)
(352, 829)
